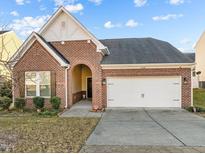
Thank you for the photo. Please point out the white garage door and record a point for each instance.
(144, 92)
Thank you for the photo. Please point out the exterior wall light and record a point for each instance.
(104, 82)
(185, 81)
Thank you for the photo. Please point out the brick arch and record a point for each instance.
(82, 63)
(96, 84)
(82, 52)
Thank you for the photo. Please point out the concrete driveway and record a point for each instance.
(149, 127)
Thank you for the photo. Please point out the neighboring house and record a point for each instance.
(9, 43)
(200, 60)
(66, 60)
(195, 76)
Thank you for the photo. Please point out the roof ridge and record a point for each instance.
(127, 38)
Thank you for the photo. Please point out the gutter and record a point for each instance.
(66, 86)
(143, 66)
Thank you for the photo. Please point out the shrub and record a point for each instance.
(20, 103)
(190, 109)
(38, 102)
(55, 102)
(5, 102)
(195, 109)
(48, 113)
(200, 109)
(5, 90)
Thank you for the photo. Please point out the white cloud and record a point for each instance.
(185, 41)
(110, 25)
(140, 3)
(42, 8)
(176, 2)
(188, 49)
(167, 17)
(22, 2)
(64, 2)
(74, 8)
(132, 23)
(182, 49)
(70, 5)
(97, 2)
(26, 25)
(14, 13)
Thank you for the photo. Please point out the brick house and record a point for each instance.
(64, 59)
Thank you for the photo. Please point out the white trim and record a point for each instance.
(26, 45)
(66, 87)
(86, 82)
(192, 103)
(99, 45)
(143, 66)
(37, 85)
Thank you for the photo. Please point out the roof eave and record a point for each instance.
(14, 59)
(148, 65)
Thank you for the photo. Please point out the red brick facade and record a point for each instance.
(82, 52)
(38, 59)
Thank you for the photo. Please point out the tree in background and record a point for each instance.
(9, 43)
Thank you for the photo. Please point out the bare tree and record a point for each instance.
(4, 53)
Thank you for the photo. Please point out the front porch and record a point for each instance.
(82, 108)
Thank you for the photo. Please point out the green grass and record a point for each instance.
(39, 134)
(199, 98)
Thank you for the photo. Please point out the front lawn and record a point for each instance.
(199, 98)
(38, 134)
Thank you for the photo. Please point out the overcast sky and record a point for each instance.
(180, 22)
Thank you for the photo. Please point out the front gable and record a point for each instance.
(28, 43)
(62, 26)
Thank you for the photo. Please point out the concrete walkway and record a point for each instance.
(81, 109)
(147, 128)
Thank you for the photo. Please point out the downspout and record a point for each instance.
(66, 87)
(192, 103)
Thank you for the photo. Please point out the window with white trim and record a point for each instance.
(38, 84)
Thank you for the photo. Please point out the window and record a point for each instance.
(37, 84)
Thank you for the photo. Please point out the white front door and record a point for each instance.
(144, 92)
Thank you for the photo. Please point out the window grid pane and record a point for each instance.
(38, 84)
(44, 78)
(30, 78)
(45, 90)
(30, 90)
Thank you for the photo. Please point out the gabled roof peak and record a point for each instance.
(26, 45)
(100, 46)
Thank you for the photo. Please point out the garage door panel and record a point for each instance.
(144, 92)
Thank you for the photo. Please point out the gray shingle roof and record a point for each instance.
(142, 51)
(191, 56)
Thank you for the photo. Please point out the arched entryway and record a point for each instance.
(81, 83)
